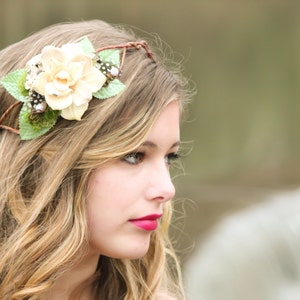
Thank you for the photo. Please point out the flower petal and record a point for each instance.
(39, 83)
(73, 49)
(58, 103)
(82, 93)
(74, 112)
(60, 83)
(85, 60)
(75, 70)
(95, 79)
(52, 90)
(49, 53)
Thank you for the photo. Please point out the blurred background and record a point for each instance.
(243, 57)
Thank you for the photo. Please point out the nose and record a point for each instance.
(160, 186)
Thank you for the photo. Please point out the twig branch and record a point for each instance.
(16, 131)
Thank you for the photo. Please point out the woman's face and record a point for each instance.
(126, 198)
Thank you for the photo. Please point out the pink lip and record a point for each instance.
(148, 223)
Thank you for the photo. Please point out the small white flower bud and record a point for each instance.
(114, 71)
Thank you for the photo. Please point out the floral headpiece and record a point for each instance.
(62, 81)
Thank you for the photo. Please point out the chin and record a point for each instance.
(137, 255)
(130, 254)
(133, 252)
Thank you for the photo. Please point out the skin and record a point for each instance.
(133, 187)
(141, 186)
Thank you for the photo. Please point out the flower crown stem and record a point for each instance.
(16, 131)
(13, 130)
(136, 45)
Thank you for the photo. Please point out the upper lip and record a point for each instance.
(148, 217)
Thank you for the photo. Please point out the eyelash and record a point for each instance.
(135, 158)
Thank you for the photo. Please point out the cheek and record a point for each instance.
(112, 193)
(97, 195)
(99, 214)
(106, 195)
(100, 184)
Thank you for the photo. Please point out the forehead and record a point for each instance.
(166, 127)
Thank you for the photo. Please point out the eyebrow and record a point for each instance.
(153, 145)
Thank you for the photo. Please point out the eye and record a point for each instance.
(171, 157)
(134, 158)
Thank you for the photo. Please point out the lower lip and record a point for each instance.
(148, 225)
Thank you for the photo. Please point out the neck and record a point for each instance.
(72, 279)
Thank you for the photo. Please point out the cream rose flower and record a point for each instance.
(68, 79)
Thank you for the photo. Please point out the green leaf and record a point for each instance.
(114, 88)
(111, 55)
(14, 83)
(87, 46)
(34, 125)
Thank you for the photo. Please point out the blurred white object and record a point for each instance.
(251, 255)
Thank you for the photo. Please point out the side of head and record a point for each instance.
(42, 206)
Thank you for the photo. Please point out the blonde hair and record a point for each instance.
(43, 181)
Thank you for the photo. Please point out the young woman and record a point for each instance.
(89, 126)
